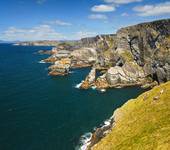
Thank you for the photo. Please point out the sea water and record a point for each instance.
(40, 112)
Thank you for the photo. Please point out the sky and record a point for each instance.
(28, 20)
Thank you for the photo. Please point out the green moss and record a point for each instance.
(142, 123)
(127, 56)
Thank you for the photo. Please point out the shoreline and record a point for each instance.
(88, 140)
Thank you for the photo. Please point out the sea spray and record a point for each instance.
(87, 140)
(42, 62)
(79, 85)
(84, 141)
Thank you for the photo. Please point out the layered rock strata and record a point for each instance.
(135, 55)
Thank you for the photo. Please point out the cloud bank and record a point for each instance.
(41, 32)
(122, 1)
(153, 10)
(103, 8)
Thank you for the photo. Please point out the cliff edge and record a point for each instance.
(142, 123)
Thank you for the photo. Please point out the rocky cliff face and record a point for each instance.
(100, 42)
(135, 55)
(149, 43)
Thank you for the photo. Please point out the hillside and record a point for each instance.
(142, 123)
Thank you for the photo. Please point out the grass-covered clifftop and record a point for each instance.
(142, 123)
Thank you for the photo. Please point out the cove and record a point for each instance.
(39, 112)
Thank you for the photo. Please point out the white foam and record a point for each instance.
(107, 122)
(93, 87)
(84, 141)
(79, 85)
(42, 62)
(103, 90)
(71, 72)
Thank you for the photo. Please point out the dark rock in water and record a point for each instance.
(101, 132)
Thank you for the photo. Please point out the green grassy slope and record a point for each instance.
(142, 123)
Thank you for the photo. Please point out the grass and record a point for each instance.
(127, 56)
(142, 123)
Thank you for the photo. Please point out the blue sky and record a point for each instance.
(74, 19)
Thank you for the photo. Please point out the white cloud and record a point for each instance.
(40, 1)
(153, 10)
(41, 32)
(97, 17)
(58, 23)
(125, 14)
(122, 1)
(83, 34)
(103, 8)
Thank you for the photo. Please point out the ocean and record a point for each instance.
(40, 112)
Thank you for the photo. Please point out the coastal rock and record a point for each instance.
(101, 82)
(100, 42)
(57, 55)
(50, 60)
(148, 42)
(61, 67)
(135, 55)
(161, 74)
(88, 55)
(47, 52)
(90, 79)
(129, 73)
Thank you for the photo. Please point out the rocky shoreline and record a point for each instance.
(135, 56)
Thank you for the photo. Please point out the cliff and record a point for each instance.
(149, 43)
(137, 55)
(141, 123)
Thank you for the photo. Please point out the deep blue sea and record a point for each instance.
(39, 112)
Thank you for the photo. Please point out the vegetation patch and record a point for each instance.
(142, 123)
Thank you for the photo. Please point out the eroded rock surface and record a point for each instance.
(135, 55)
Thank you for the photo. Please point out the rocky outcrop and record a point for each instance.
(88, 55)
(135, 55)
(90, 79)
(149, 44)
(60, 67)
(140, 55)
(100, 42)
